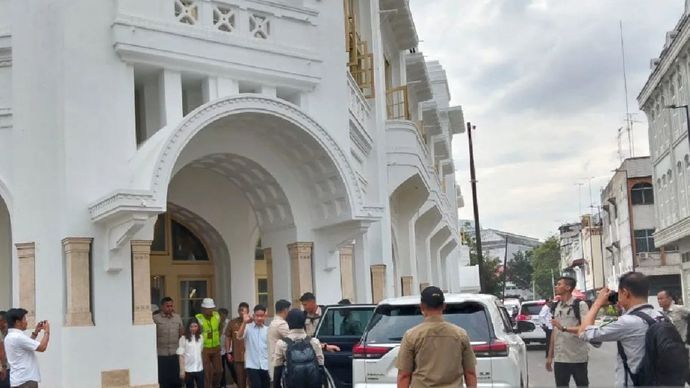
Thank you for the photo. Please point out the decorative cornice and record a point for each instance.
(5, 117)
(125, 200)
(673, 233)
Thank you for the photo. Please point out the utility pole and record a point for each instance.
(475, 205)
(505, 268)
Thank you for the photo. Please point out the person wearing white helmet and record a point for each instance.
(210, 322)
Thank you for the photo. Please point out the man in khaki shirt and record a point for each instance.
(296, 323)
(568, 352)
(236, 346)
(435, 353)
(169, 329)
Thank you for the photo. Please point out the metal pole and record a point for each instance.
(601, 246)
(477, 231)
(553, 284)
(505, 269)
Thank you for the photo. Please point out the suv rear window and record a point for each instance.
(531, 309)
(389, 323)
(346, 321)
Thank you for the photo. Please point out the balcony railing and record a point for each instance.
(360, 60)
(398, 108)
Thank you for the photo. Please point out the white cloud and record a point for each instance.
(542, 81)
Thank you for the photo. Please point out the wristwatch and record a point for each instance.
(564, 329)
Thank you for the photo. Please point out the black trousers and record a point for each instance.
(169, 371)
(563, 370)
(258, 378)
(548, 339)
(6, 382)
(190, 378)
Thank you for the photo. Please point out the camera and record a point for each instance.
(613, 298)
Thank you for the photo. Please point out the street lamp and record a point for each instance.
(687, 116)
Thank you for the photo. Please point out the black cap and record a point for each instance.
(433, 297)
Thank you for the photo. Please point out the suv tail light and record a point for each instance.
(369, 352)
(494, 349)
(522, 317)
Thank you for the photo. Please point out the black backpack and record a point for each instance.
(302, 369)
(665, 361)
(576, 309)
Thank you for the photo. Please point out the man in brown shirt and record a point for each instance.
(435, 353)
(169, 329)
(236, 346)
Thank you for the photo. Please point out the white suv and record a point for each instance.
(501, 353)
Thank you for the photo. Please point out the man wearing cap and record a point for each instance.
(435, 352)
(169, 329)
(209, 319)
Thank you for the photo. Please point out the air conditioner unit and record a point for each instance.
(644, 255)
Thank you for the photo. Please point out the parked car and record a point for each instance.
(342, 325)
(529, 312)
(501, 353)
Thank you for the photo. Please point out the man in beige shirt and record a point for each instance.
(277, 330)
(435, 353)
(677, 314)
(568, 353)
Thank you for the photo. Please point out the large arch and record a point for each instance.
(303, 157)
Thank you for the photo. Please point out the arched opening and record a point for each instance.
(270, 182)
(642, 194)
(5, 256)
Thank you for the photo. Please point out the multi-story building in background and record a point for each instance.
(630, 226)
(245, 150)
(581, 253)
(664, 99)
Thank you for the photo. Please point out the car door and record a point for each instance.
(517, 345)
(342, 326)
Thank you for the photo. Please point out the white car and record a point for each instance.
(529, 311)
(501, 353)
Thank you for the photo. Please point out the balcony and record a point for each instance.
(239, 39)
(398, 108)
(655, 260)
(360, 59)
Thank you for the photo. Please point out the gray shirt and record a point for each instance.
(630, 331)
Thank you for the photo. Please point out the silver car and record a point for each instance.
(529, 311)
(501, 353)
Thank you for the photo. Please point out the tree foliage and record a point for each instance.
(546, 260)
(520, 270)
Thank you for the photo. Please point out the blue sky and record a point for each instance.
(542, 81)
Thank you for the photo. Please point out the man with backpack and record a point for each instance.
(298, 358)
(650, 350)
(568, 355)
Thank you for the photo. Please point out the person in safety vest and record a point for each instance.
(211, 325)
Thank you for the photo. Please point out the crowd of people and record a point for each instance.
(212, 350)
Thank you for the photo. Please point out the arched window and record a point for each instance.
(185, 245)
(642, 194)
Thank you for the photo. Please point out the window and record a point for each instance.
(186, 246)
(389, 323)
(345, 321)
(642, 194)
(192, 293)
(159, 245)
(644, 240)
(262, 291)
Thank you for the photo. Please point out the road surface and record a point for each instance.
(602, 364)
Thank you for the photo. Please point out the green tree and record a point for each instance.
(546, 261)
(520, 270)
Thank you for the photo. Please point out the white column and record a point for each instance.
(227, 87)
(269, 91)
(170, 82)
(209, 89)
(363, 290)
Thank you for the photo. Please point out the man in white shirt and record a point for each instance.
(545, 318)
(21, 350)
(255, 335)
(277, 330)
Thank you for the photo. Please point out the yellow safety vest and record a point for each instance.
(210, 326)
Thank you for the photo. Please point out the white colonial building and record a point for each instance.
(664, 99)
(246, 150)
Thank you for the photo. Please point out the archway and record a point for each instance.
(254, 168)
(5, 256)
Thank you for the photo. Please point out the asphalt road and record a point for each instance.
(602, 366)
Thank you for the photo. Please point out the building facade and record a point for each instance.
(662, 99)
(245, 150)
(581, 253)
(630, 225)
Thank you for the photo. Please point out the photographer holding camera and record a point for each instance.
(21, 350)
(636, 365)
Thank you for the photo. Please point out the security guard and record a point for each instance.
(209, 319)
(435, 353)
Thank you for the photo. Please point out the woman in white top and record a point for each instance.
(189, 351)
